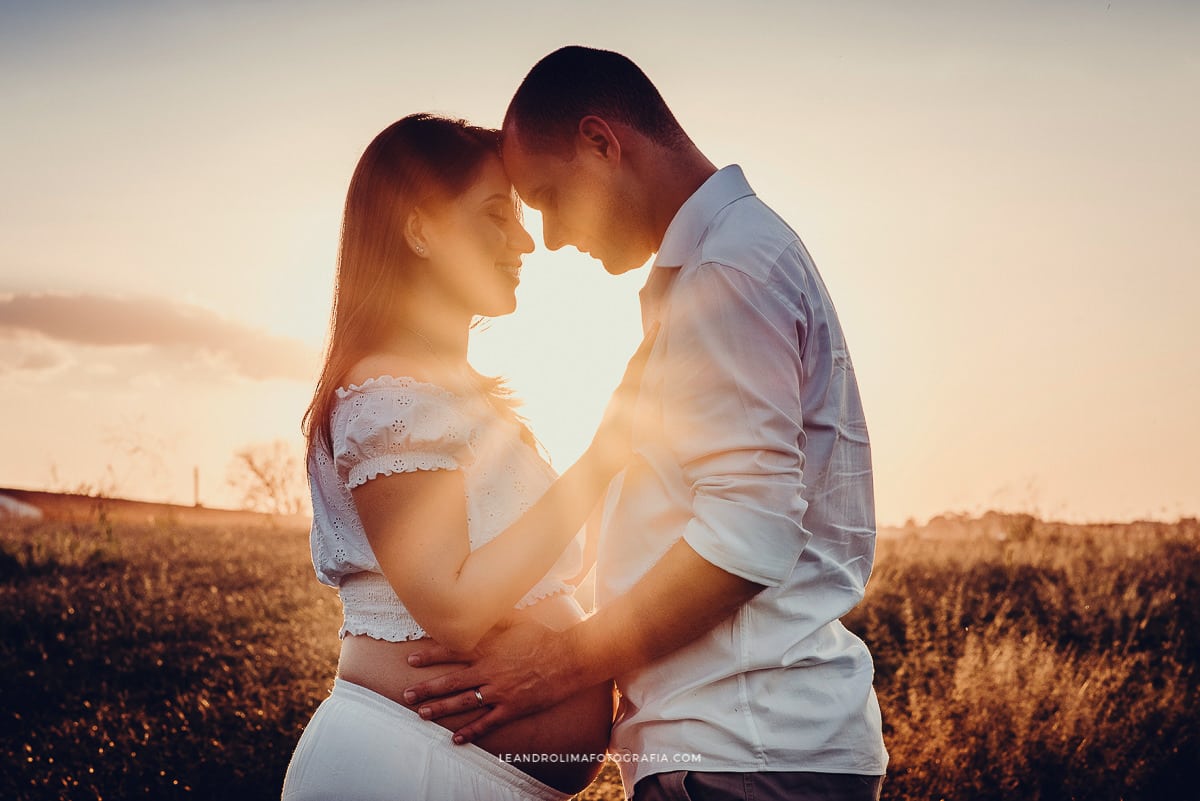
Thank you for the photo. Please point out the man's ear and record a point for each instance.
(596, 137)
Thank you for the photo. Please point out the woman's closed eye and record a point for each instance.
(504, 215)
(500, 212)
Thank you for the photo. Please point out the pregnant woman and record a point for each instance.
(433, 513)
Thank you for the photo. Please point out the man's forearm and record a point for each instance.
(528, 667)
(681, 598)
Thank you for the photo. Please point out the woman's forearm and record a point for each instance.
(494, 577)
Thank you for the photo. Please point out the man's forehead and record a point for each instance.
(526, 171)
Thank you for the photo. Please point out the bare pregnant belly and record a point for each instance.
(578, 726)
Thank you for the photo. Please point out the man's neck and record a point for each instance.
(672, 179)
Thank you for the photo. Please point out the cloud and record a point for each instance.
(29, 352)
(111, 321)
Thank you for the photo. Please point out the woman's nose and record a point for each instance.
(521, 241)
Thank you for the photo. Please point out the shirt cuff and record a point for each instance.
(755, 544)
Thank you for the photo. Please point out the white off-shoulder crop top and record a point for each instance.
(392, 425)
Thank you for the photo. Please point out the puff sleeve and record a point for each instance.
(398, 426)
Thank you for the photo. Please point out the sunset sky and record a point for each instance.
(1003, 198)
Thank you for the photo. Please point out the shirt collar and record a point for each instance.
(691, 221)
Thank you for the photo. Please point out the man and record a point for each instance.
(743, 528)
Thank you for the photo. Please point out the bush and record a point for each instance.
(1057, 664)
(169, 662)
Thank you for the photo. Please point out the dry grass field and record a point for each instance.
(161, 652)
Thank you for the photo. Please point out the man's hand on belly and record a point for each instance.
(519, 671)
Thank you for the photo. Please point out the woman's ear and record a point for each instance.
(414, 233)
(596, 137)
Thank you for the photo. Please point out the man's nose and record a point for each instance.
(552, 233)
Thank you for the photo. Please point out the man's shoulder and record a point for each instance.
(750, 237)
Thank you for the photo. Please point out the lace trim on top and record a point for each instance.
(370, 607)
(401, 382)
(408, 463)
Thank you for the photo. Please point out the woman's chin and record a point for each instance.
(500, 307)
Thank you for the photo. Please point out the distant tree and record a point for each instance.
(143, 458)
(107, 486)
(269, 477)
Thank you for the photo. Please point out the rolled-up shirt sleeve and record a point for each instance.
(732, 417)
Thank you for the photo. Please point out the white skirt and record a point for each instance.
(362, 746)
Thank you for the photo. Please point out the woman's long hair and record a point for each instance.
(419, 158)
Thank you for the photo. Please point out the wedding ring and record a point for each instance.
(479, 697)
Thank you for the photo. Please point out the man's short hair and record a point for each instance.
(574, 82)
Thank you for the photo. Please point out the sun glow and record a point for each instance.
(1000, 198)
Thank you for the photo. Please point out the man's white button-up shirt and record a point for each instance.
(750, 444)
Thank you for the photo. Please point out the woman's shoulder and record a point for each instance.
(391, 415)
(369, 370)
(396, 373)
(392, 391)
